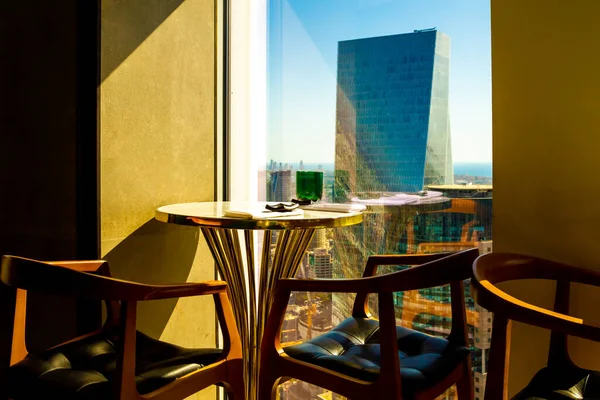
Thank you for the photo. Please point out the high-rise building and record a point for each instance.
(323, 264)
(280, 186)
(482, 341)
(319, 240)
(392, 120)
(392, 135)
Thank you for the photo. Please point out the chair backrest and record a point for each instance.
(66, 278)
(84, 279)
(449, 267)
(493, 268)
(438, 247)
(438, 270)
(500, 267)
(81, 279)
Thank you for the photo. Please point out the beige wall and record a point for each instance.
(157, 147)
(546, 97)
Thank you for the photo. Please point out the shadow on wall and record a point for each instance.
(128, 23)
(156, 253)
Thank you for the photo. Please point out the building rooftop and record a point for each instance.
(434, 29)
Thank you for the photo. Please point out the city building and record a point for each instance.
(323, 264)
(392, 119)
(482, 342)
(319, 240)
(280, 186)
(392, 135)
(479, 385)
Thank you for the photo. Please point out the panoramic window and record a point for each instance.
(391, 101)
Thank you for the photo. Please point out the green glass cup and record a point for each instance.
(309, 185)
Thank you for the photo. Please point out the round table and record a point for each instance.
(235, 262)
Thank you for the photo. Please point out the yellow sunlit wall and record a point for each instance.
(546, 99)
(157, 147)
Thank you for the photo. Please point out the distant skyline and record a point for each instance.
(460, 168)
(303, 38)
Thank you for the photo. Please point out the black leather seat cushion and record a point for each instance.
(85, 369)
(569, 382)
(352, 348)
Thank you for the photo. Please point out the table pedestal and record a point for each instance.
(238, 269)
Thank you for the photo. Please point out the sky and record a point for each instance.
(302, 63)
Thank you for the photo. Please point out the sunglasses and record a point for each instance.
(281, 207)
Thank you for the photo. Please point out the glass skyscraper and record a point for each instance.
(392, 119)
(393, 135)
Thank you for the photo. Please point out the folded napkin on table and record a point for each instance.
(261, 213)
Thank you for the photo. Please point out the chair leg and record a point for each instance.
(464, 386)
(236, 390)
(267, 387)
(235, 387)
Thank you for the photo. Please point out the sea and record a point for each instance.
(473, 168)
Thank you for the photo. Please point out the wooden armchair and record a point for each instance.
(115, 362)
(561, 379)
(363, 358)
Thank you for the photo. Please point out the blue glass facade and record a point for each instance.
(392, 122)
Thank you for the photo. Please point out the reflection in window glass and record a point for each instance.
(388, 98)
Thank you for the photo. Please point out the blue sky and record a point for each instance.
(302, 52)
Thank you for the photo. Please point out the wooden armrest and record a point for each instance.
(440, 271)
(359, 285)
(375, 261)
(361, 303)
(64, 280)
(498, 267)
(155, 292)
(497, 301)
(83, 266)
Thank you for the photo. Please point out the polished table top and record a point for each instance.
(212, 214)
